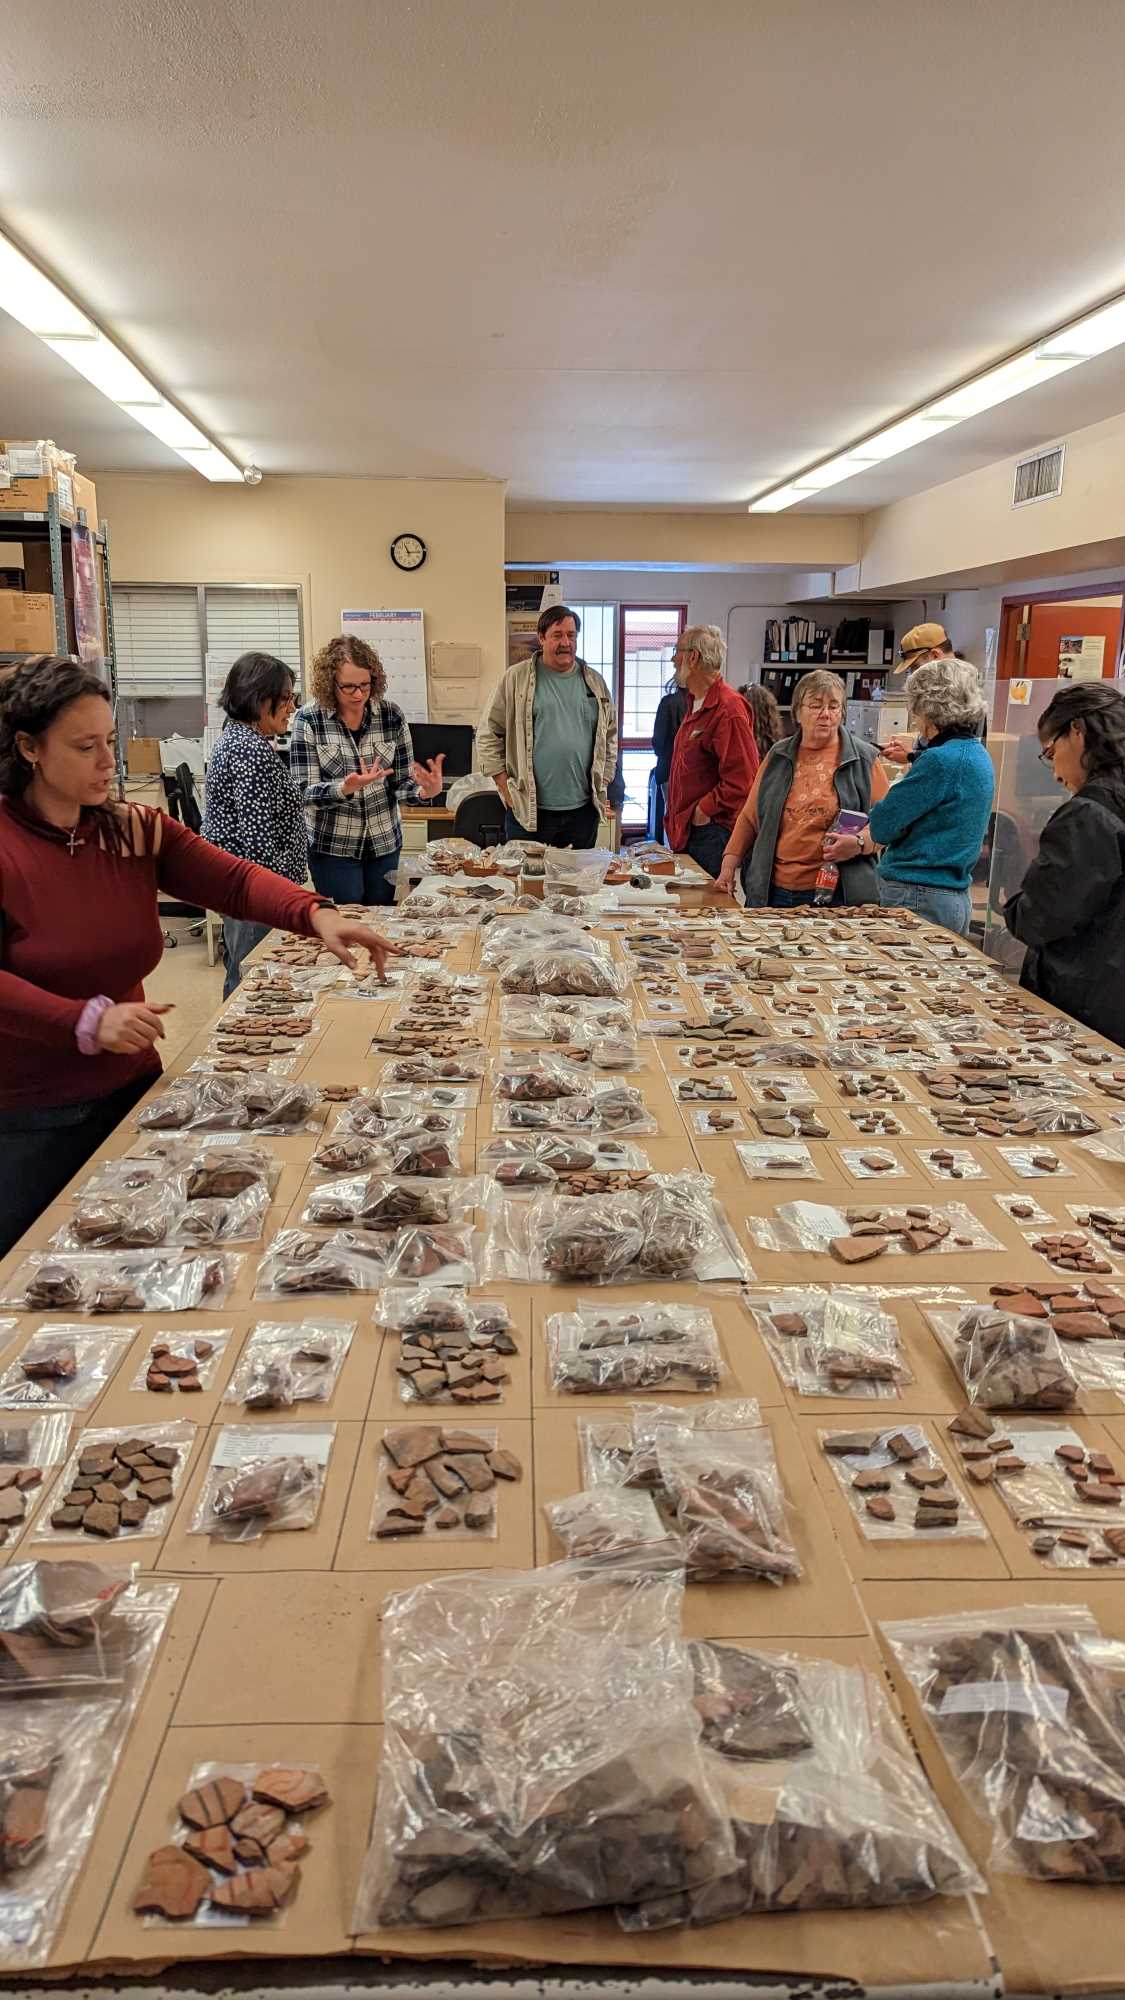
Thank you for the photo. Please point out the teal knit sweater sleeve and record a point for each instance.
(932, 823)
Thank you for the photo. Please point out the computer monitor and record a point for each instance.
(455, 738)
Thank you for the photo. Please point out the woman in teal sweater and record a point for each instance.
(932, 824)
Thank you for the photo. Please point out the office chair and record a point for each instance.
(480, 818)
(182, 804)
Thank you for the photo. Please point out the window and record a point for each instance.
(595, 640)
(646, 640)
(159, 643)
(164, 633)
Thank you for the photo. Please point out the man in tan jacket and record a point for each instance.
(549, 738)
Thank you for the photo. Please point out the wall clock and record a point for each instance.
(408, 551)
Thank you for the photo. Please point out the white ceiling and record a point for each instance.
(624, 253)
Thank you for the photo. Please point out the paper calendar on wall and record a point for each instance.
(398, 638)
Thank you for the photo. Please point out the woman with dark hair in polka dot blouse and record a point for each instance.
(253, 806)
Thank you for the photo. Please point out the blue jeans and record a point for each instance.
(707, 845)
(948, 907)
(43, 1146)
(795, 899)
(355, 878)
(239, 938)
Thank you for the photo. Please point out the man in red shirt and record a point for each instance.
(715, 755)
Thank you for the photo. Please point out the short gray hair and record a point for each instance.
(708, 642)
(946, 693)
(818, 682)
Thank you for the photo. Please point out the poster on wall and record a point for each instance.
(398, 638)
(1082, 658)
(87, 601)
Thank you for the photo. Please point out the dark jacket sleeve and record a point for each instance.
(1075, 872)
(669, 715)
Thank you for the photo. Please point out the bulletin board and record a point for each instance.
(399, 640)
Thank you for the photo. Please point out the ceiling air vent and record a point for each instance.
(1039, 478)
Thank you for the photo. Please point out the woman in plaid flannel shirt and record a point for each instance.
(351, 759)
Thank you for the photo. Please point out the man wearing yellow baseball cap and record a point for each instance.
(921, 644)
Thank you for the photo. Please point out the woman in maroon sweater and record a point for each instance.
(79, 930)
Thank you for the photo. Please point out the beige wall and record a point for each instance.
(332, 537)
(967, 531)
(555, 537)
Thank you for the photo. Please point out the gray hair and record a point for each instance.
(946, 693)
(708, 642)
(818, 682)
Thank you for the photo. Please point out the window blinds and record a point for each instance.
(159, 651)
(254, 621)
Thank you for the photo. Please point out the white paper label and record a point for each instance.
(234, 1449)
(1039, 1447)
(26, 464)
(1008, 1698)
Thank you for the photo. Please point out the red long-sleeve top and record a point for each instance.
(714, 763)
(77, 920)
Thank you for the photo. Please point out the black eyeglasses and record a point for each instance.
(1047, 754)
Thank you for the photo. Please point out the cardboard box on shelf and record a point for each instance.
(27, 622)
(142, 756)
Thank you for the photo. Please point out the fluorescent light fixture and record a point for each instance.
(169, 426)
(107, 368)
(212, 463)
(999, 385)
(1095, 333)
(39, 304)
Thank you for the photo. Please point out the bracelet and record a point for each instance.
(89, 1020)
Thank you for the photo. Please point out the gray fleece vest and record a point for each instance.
(858, 879)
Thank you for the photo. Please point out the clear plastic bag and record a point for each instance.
(263, 1482)
(1027, 1707)
(182, 1365)
(527, 1806)
(467, 1066)
(123, 1281)
(781, 1090)
(435, 1480)
(143, 1468)
(897, 1487)
(58, 1631)
(716, 1120)
(1034, 1163)
(672, 1228)
(577, 1022)
(608, 1521)
(537, 1079)
(452, 1349)
(777, 1160)
(914, 1228)
(64, 1367)
(57, 1761)
(286, 1362)
(440, 1254)
(854, 1340)
(382, 1203)
(165, 1216)
(350, 1260)
(833, 1811)
(712, 1088)
(232, 1103)
(728, 1504)
(629, 1349)
(604, 1107)
(544, 1158)
(873, 1163)
(1046, 1503)
(563, 971)
(246, 1868)
(384, 1116)
(1008, 1362)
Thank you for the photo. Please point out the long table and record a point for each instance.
(274, 1651)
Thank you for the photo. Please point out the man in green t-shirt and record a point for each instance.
(549, 738)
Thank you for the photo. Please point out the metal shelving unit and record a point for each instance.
(57, 533)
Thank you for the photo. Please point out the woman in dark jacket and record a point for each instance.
(1070, 908)
(674, 705)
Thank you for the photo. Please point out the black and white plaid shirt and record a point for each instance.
(322, 752)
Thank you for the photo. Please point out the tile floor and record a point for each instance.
(185, 978)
